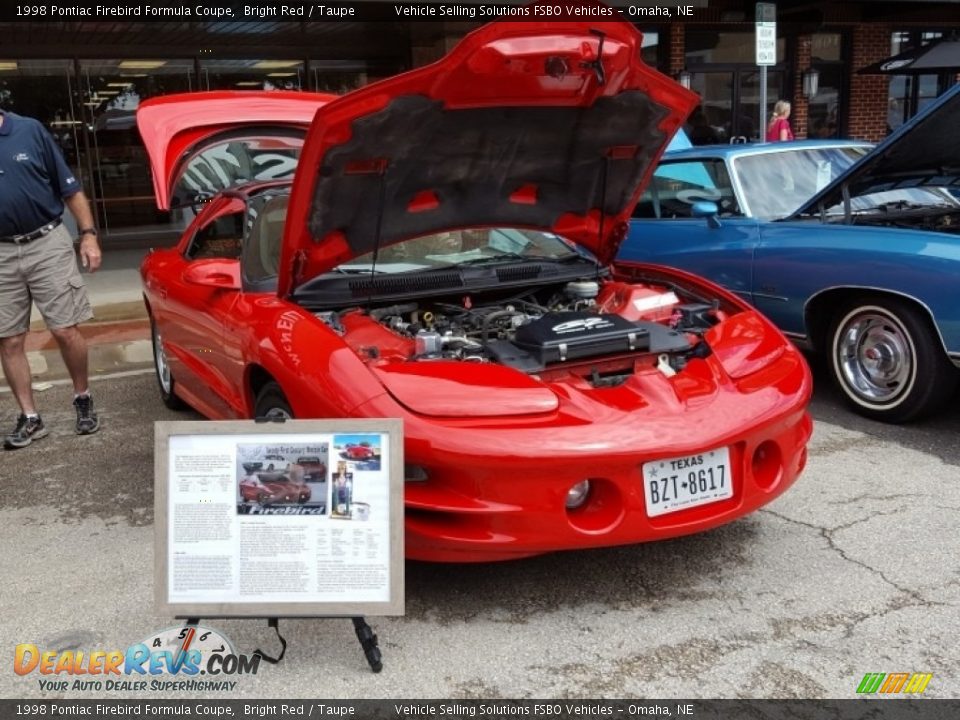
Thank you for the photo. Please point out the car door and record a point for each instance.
(198, 300)
(664, 229)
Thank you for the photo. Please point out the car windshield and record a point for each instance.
(464, 247)
(776, 183)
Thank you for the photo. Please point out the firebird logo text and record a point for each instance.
(584, 324)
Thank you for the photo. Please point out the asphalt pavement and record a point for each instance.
(856, 569)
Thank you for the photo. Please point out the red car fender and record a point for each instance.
(297, 350)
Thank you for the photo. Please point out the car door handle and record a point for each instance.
(162, 292)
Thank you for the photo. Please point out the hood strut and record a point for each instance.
(603, 199)
(381, 199)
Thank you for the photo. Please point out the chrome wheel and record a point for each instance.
(160, 362)
(876, 357)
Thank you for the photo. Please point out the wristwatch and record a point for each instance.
(87, 231)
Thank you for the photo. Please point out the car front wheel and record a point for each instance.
(162, 368)
(887, 360)
(272, 403)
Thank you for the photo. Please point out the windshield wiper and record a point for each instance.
(358, 271)
(510, 257)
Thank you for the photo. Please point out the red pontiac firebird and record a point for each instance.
(358, 452)
(270, 487)
(443, 255)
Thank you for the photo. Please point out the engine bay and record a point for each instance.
(598, 328)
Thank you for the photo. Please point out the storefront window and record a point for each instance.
(219, 74)
(730, 105)
(650, 50)
(117, 171)
(43, 89)
(908, 94)
(826, 57)
(336, 77)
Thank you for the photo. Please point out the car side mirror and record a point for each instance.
(222, 273)
(708, 210)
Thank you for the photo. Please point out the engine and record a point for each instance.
(576, 322)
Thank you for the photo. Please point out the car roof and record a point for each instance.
(742, 149)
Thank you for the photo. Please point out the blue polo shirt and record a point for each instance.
(34, 177)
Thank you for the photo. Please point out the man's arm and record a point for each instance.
(89, 245)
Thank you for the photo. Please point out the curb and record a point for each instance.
(114, 345)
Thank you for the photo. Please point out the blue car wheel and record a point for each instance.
(887, 360)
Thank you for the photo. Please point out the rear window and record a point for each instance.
(237, 157)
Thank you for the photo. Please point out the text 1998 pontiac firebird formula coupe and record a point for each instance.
(442, 255)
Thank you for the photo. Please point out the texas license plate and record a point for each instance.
(679, 483)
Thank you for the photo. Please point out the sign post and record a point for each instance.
(766, 37)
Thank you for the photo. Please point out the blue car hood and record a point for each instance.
(923, 151)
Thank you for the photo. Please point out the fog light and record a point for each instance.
(577, 495)
(767, 465)
(414, 473)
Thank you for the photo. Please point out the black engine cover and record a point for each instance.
(572, 335)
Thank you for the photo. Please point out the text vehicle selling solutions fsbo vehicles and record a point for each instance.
(443, 255)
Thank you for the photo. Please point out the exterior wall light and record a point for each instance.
(811, 82)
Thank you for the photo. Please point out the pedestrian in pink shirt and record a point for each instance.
(779, 127)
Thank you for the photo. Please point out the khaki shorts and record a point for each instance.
(44, 271)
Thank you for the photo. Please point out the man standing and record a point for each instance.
(38, 264)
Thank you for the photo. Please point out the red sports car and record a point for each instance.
(443, 255)
(275, 487)
(357, 452)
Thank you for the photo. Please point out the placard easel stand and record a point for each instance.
(365, 636)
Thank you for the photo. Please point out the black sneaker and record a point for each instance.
(28, 429)
(87, 420)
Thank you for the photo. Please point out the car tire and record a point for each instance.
(162, 372)
(272, 403)
(887, 360)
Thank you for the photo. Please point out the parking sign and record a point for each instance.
(766, 31)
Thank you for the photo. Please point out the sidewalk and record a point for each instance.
(119, 334)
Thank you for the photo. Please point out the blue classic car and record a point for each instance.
(854, 252)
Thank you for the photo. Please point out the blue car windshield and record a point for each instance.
(776, 183)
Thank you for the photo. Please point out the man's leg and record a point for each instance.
(16, 370)
(73, 348)
(57, 289)
(29, 426)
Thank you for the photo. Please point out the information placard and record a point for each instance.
(292, 519)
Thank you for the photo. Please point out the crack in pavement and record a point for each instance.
(827, 534)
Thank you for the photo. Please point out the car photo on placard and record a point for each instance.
(363, 451)
(288, 480)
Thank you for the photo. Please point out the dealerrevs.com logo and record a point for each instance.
(190, 658)
(892, 683)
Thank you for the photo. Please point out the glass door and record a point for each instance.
(730, 105)
(117, 173)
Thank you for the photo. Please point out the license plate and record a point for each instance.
(679, 483)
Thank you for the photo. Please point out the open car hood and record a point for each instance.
(923, 151)
(201, 143)
(522, 124)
